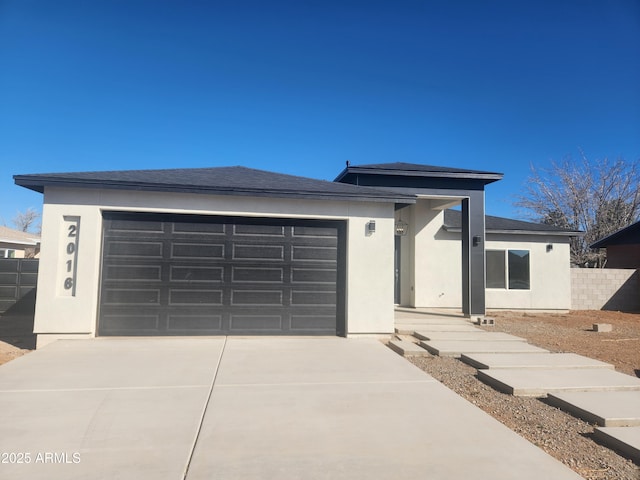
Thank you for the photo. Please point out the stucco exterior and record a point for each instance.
(369, 265)
(392, 239)
(431, 262)
(549, 272)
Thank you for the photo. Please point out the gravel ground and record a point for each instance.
(564, 437)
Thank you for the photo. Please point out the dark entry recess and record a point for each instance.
(209, 275)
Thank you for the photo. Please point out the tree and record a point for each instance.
(598, 198)
(25, 221)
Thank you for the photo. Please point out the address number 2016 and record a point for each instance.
(72, 233)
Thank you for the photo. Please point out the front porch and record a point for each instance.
(407, 320)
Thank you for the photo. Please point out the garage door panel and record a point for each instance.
(312, 322)
(193, 297)
(212, 229)
(143, 226)
(217, 276)
(314, 275)
(189, 323)
(133, 273)
(122, 249)
(246, 324)
(130, 296)
(128, 324)
(257, 275)
(258, 252)
(192, 273)
(314, 254)
(259, 230)
(313, 297)
(314, 232)
(257, 297)
(197, 250)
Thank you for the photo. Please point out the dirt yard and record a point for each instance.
(573, 332)
(16, 338)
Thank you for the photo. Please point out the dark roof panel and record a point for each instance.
(401, 169)
(416, 167)
(627, 236)
(453, 221)
(218, 180)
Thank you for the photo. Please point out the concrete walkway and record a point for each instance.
(586, 388)
(253, 408)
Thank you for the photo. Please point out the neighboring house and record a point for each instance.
(18, 244)
(623, 247)
(234, 250)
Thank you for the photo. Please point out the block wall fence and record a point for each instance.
(605, 289)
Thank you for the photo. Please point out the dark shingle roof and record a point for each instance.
(453, 222)
(218, 180)
(627, 236)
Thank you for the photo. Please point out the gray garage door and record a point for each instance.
(202, 275)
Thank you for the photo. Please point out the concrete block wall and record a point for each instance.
(605, 289)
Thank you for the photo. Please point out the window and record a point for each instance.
(7, 253)
(496, 276)
(508, 269)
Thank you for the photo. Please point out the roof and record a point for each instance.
(10, 235)
(625, 236)
(418, 170)
(218, 180)
(453, 223)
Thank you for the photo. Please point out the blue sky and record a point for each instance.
(300, 87)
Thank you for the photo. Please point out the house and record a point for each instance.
(18, 244)
(623, 247)
(234, 250)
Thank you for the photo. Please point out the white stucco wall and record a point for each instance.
(434, 258)
(431, 268)
(369, 273)
(549, 272)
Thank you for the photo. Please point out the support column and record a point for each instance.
(473, 256)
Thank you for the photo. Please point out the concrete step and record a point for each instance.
(407, 349)
(607, 409)
(531, 360)
(529, 382)
(455, 348)
(408, 329)
(469, 336)
(425, 329)
(625, 440)
(433, 321)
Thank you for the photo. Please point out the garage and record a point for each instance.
(164, 274)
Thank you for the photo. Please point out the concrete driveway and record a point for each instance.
(245, 408)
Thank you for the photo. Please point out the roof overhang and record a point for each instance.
(629, 235)
(487, 177)
(416, 172)
(31, 243)
(39, 183)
